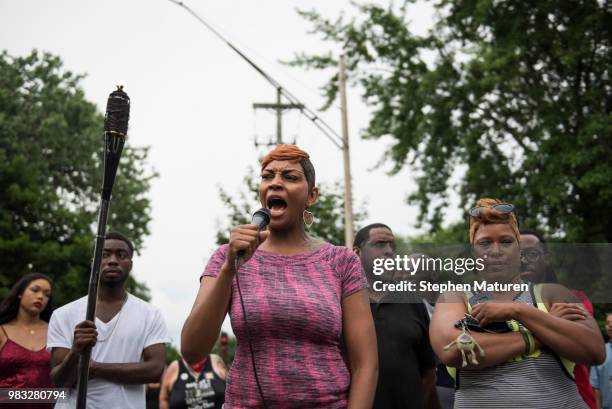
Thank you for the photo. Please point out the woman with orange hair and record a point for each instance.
(298, 300)
(525, 343)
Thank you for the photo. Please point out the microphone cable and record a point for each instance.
(246, 332)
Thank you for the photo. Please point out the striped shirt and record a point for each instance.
(536, 383)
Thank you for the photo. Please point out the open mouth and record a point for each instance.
(276, 205)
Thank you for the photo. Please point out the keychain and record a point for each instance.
(465, 343)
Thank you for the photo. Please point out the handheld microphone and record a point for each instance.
(261, 218)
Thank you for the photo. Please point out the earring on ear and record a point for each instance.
(308, 218)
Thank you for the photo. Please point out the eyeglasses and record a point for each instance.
(500, 207)
(531, 255)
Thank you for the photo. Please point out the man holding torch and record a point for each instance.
(127, 340)
(121, 343)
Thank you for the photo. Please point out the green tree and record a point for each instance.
(328, 211)
(455, 233)
(50, 177)
(512, 97)
(172, 354)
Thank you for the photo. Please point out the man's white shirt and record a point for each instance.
(121, 340)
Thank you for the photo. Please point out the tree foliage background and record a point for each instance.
(328, 210)
(511, 98)
(50, 175)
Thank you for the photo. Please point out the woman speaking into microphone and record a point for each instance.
(296, 304)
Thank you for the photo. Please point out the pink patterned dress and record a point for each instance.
(294, 313)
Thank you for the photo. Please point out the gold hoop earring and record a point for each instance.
(308, 218)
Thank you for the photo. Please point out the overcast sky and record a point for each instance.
(192, 103)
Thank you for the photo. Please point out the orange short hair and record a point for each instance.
(489, 215)
(292, 153)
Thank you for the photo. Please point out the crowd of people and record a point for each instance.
(311, 331)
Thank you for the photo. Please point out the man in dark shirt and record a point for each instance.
(406, 377)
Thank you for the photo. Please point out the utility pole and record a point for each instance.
(348, 191)
(279, 107)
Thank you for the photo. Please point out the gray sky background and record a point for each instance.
(192, 103)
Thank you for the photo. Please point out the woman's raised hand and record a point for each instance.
(244, 240)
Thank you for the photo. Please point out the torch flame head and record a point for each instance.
(115, 131)
(117, 113)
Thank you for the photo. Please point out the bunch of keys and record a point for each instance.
(465, 343)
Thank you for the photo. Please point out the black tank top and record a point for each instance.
(206, 392)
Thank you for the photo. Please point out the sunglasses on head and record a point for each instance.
(500, 207)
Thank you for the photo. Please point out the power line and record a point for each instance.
(327, 130)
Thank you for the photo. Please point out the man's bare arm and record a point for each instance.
(64, 363)
(133, 373)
